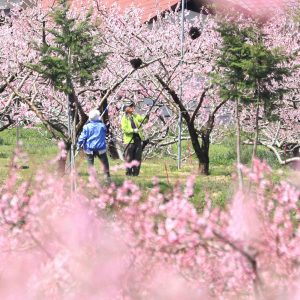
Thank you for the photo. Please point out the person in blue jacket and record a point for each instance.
(92, 139)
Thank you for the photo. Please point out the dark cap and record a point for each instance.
(128, 103)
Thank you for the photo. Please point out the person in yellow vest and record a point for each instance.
(133, 137)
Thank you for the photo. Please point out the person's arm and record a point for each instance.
(143, 119)
(126, 126)
(82, 138)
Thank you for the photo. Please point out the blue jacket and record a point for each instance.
(92, 137)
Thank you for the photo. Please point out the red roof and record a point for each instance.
(255, 7)
(150, 7)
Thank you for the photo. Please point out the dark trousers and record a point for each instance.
(133, 151)
(104, 161)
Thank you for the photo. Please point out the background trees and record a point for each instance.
(250, 74)
(69, 59)
(161, 81)
(157, 78)
(111, 242)
(280, 133)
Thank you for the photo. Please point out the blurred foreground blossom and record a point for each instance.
(119, 242)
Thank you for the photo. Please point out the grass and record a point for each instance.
(41, 149)
(36, 143)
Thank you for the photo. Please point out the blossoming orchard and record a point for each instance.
(192, 108)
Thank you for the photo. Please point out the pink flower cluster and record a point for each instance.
(122, 242)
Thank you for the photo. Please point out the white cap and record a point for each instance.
(94, 115)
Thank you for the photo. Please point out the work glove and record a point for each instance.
(135, 130)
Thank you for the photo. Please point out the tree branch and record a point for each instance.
(118, 83)
(8, 81)
(257, 280)
(199, 104)
(176, 99)
(275, 151)
(10, 122)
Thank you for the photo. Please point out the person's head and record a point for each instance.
(94, 115)
(129, 107)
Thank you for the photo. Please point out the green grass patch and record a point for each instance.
(38, 145)
(41, 149)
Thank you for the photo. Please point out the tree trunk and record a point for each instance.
(256, 133)
(71, 128)
(204, 167)
(238, 144)
(112, 148)
(62, 161)
(202, 153)
(111, 145)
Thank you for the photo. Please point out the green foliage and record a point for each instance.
(72, 56)
(249, 68)
(3, 155)
(227, 152)
(221, 155)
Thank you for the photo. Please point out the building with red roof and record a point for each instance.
(150, 8)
